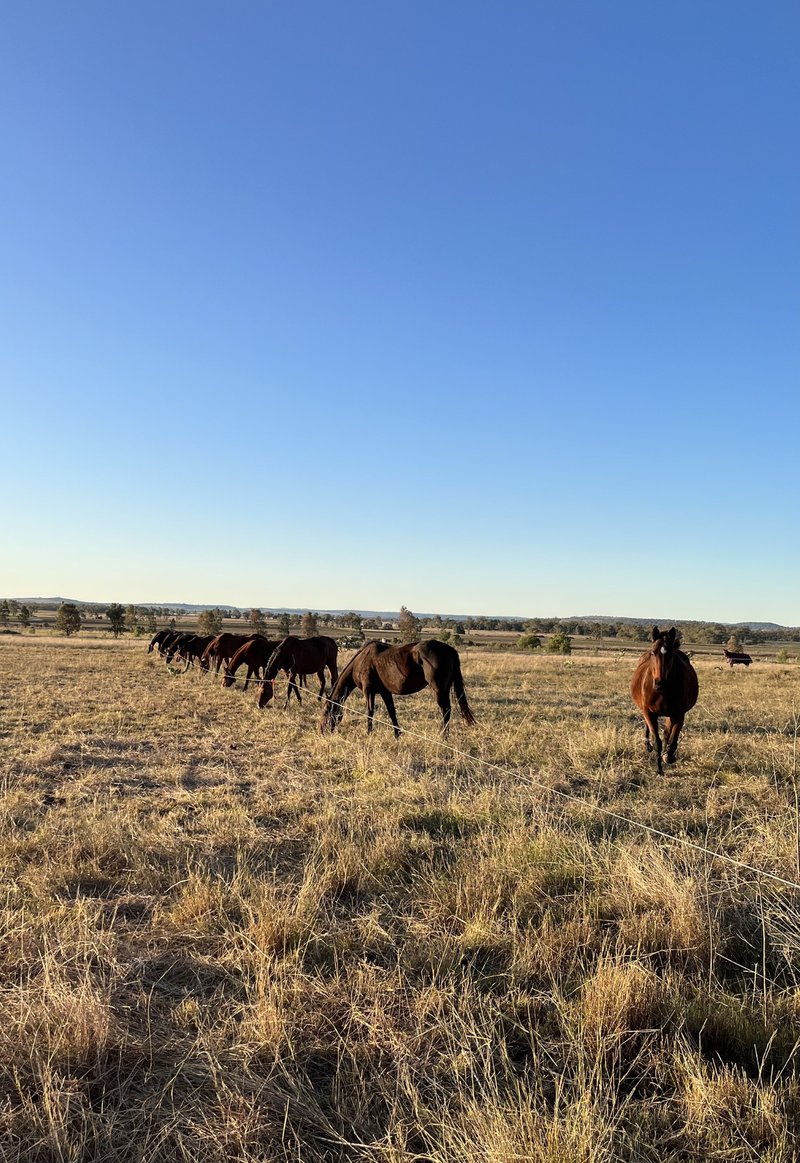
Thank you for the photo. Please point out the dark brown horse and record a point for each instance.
(381, 669)
(192, 649)
(737, 658)
(175, 644)
(664, 683)
(157, 640)
(255, 654)
(222, 649)
(299, 656)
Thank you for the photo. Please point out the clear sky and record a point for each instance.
(469, 306)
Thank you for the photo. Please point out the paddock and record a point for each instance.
(230, 928)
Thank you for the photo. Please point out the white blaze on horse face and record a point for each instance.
(663, 650)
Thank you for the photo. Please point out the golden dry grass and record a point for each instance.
(226, 937)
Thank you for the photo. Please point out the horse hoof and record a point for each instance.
(672, 758)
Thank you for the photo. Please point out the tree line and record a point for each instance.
(140, 620)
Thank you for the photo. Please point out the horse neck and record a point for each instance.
(345, 684)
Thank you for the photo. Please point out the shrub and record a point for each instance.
(529, 642)
(560, 643)
(68, 619)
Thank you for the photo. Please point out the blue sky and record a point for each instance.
(474, 307)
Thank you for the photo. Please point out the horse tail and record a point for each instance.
(461, 697)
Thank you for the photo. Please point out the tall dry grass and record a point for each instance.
(225, 936)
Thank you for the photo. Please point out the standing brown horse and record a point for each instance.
(664, 683)
(299, 656)
(381, 669)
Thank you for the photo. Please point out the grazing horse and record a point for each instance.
(170, 636)
(255, 654)
(222, 649)
(664, 683)
(299, 656)
(175, 644)
(381, 669)
(737, 658)
(192, 649)
(157, 640)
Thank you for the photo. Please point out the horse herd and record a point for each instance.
(664, 683)
(377, 669)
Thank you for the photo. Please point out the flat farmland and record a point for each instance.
(227, 937)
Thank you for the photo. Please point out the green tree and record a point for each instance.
(284, 625)
(410, 627)
(529, 642)
(25, 615)
(209, 622)
(68, 619)
(131, 619)
(258, 623)
(5, 612)
(559, 643)
(116, 618)
(308, 625)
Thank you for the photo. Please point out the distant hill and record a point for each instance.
(626, 621)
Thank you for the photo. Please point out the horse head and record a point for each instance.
(229, 678)
(662, 656)
(331, 716)
(267, 692)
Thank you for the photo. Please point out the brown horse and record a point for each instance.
(299, 656)
(174, 645)
(157, 640)
(381, 669)
(163, 644)
(255, 654)
(664, 683)
(222, 649)
(192, 649)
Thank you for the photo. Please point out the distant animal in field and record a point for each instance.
(664, 683)
(737, 658)
(222, 649)
(255, 654)
(381, 669)
(299, 656)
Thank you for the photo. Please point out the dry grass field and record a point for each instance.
(226, 937)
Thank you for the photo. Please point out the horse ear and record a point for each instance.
(656, 633)
(672, 634)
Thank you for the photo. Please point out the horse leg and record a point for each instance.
(370, 697)
(651, 720)
(672, 730)
(389, 701)
(293, 686)
(321, 677)
(443, 702)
